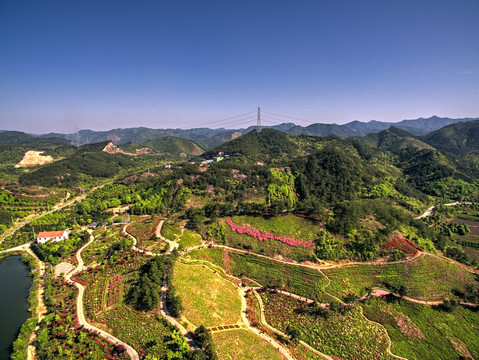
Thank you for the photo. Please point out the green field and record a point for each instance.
(243, 345)
(422, 332)
(266, 272)
(170, 231)
(189, 239)
(296, 279)
(212, 255)
(207, 298)
(426, 277)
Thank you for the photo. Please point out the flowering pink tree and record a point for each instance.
(262, 236)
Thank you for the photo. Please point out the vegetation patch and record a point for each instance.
(345, 334)
(430, 333)
(425, 277)
(243, 345)
(189, 239)
(144, 230)
(299, 280)
(207, 298)
(291, 241)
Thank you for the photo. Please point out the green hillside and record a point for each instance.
(267, 144)
(460, 138)
(20, 138)
(80, 167)
(167, 145)
(394, 139)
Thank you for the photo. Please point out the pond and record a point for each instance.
(15, 284)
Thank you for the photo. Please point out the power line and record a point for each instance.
(258, 119)
(228, 118)
(290, 117)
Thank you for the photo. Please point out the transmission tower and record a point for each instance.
(77, 137)
(258, 119)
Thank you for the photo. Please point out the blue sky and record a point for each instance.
(166, 64)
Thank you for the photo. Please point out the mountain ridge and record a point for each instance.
(209, 138)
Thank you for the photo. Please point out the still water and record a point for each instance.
(15, 284)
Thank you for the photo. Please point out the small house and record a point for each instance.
(45, 236)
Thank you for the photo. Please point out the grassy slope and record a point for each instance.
(243, 345)
(207, 299)
(437, 328)
(296, 279)
(425, 277)
(291, 226)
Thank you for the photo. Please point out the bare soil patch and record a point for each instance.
(34, 158)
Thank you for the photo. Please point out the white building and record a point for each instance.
(45, 236)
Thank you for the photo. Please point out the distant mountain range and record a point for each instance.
(209, 138)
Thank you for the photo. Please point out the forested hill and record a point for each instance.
(208, 138)
(460, 138)
(167, 145)
(264, 145)
(20, 138)
(394, 139)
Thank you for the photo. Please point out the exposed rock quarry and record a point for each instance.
(34, 158)
(112, 149)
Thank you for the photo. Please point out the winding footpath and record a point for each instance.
(164, 288)
(79, 304)
(62, 204)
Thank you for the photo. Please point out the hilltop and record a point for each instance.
(208, 138)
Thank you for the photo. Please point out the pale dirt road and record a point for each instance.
(79, 304)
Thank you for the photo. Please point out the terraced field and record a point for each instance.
(423, 332)
(425, 277)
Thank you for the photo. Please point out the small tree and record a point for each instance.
(293, 333)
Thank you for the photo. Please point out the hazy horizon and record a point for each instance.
(108, 65)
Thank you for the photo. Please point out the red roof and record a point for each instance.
(45, 234)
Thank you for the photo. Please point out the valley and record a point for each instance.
(267, 246)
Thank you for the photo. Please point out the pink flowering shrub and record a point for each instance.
(262, 236)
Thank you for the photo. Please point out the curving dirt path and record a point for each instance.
(390, 342)
(80, 314)
(164, 288)
(265, 323)
(244, 306)
(62, 204)
(430, 210)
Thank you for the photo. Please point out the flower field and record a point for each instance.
(61, 337)
(151, 338)
(273, 248)
(347, 335)
(106, 286)
(423, 332)
(144, 230)
(287, 226)
(399, 242)
(264, 236)
(425, 277)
